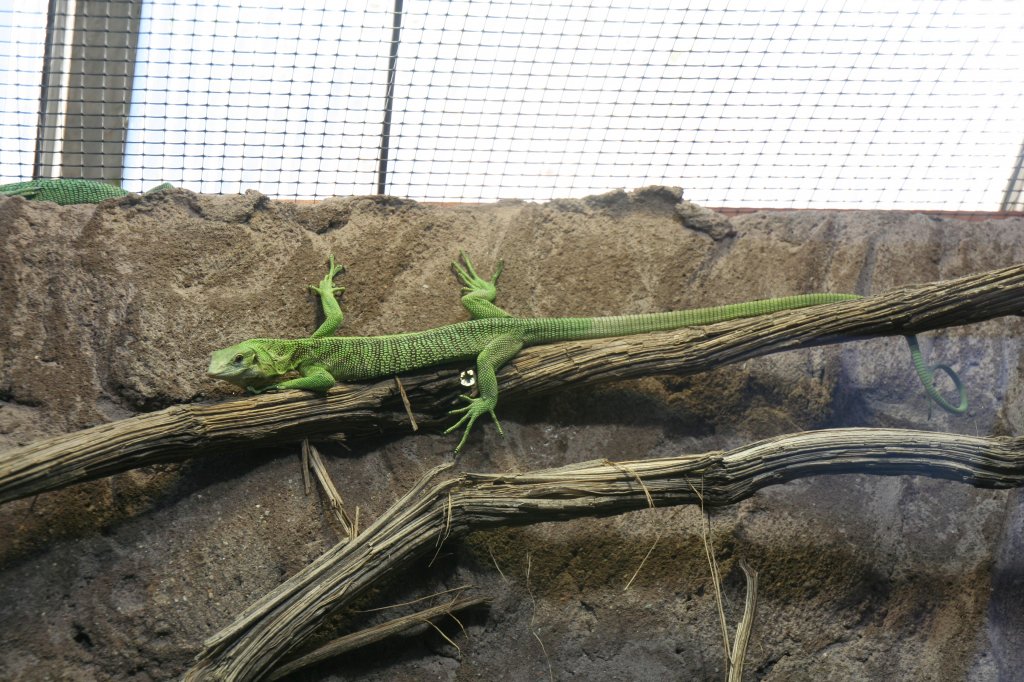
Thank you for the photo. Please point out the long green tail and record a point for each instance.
(569, 328)
(564, 329)
(927, 375)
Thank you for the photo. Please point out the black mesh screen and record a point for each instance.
(759, 104)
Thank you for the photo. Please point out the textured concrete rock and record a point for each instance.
(110, 310)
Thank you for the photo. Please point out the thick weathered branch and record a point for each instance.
(190, 430)
(434, 512)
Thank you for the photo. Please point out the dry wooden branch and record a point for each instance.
(334, 499)
(374, 634)
(739, 649)
(432, 512)
(190, 430)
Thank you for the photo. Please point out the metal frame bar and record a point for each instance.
(86, 87)
(1013, 198)
(389, 101)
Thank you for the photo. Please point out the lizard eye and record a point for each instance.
(238, 359)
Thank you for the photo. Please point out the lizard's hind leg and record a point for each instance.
(496, 353)
(479, 293)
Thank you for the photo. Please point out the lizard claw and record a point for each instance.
(476, 407)
(319, 289)
(333, 270)
(472, 282)
(327, 282)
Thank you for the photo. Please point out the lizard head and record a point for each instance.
(246, 364)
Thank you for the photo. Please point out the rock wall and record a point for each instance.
(110, 310)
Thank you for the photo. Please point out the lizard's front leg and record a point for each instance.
(313, 379)
(326, 290)
(496, 353)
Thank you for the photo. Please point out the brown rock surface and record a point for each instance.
(109, 310)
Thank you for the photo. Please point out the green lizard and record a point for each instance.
(493, 337)
(66, 191)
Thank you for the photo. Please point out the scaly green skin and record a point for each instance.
(493, 337)
(65, 191)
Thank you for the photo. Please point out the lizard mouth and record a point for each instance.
(223, 365)
(241, 366)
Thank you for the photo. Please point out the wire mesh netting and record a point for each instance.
(771, 104)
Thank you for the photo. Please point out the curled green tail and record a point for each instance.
(927, 375)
